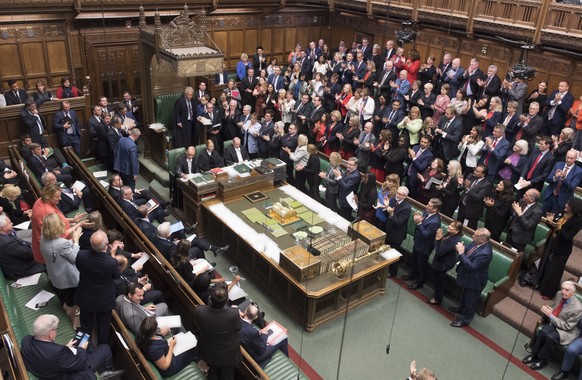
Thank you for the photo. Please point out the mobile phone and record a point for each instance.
(41, 304)
(269, 332)
(81, 338)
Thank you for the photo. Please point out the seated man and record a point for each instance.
(130, 275)
(132, 313)
(560, 327)
(16, 260)
(129, 206)
(39, 165)
(198, 246)
(71, 199)
(235, 153)
(572, 351)
(49, 360)
(143, 222)
(140, 196)
(209, 158)
(255, 342)
(187, 163)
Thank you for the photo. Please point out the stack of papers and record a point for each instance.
(101, 174)
(184, 342)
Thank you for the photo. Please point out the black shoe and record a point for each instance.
(167, 212)
(213, 265)
(407, 277)
(111, 374)
(539, 365)
(529, 359)
(527, 347)
(561, 375)
(220, 250)
(458, 324)
(415, 286)
(454, 309)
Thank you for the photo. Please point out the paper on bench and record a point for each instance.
(42, 296)
(100, 174)
(141, 261)
(236, 292)
(184, 342)
(29, 281)
(170, 321)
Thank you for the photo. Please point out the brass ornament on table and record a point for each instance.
(340, 267)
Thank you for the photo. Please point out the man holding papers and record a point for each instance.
(256, 342)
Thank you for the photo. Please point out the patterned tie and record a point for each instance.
(559, 184)
(559, 308)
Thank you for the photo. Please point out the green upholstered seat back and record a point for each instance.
(164, 110)
(499, 266)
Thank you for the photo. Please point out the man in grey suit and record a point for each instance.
(526, 215)
(560, 327)
(132, 313)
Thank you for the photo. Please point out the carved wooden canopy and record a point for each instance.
(183, 42)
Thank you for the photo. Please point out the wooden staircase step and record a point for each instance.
(516, 315)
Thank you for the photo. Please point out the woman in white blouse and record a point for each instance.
(287, 105)
(470, 147)
(299, 157)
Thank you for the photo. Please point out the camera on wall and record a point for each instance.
(406, 34)
(522, 72)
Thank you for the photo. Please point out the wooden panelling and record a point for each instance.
(33, 58)
(220, 38)
(236, 40)
(290, 39)
(57, 52)
(10, 61)
(250, 41)
(266, 40)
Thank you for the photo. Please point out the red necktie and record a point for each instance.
(559, 185)
(533, 167)
(473, 249)
(558, 308)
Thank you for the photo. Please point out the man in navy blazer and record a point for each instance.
(563, 180)
(349, 182)
(68, 127)
(525, 216)
(276, 79)
(454, 77)
(559, 103)
(472, 274)
(15, 95)
(49, 360)
(537, 167)
(34, 122)
(449, 130)
(421, 157)
(398, 211)
(494, 151)
(427, 225)
(95, 293)
(477, 187)
(125, 160)
(392, 118)
(255, 342)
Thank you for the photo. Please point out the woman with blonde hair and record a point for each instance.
(13, 205)
(450, 190)
(562, 144)
(350, 133)
(330, 181)
(299, 158)
(412, 124)
(242, 66)
(385, 193)
(335, 126)
(59, 254)
(93, 224)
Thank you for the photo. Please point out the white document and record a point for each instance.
(78, 185)
(518, 186)
(105, 184)
(204, 121)
(101, 174)
(350, 198)
(184, 342)
(42, 296)
(200, 265)
(29, 281)
(178, 226)
(23, 225)
(122, 341)
(431, 181)
(191, 237)
(170, 321)
(141, 261)
(236, 292)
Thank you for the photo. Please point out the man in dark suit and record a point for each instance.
(266, 134)
(130, 207)
(140, 197)
(185, 119)
(15, 95)
(187, 163)
(525, 216)
(348, 183)
(389, 50)
(143, 223)
(209, 158)
(40, 165)
(494, 151)
(49, 360)
(125, 160)
(230, 118)
(454, 77)
(427, 225)
(441, 71)
(102, 130)
(247, 85)
(449, 132)
(472, 275)
(34, 122)
(314, 117)
(70, 198)
(392, 118)
(398, 211)
(559, 103)
(95, 293)
(213, 129)
(560, 327)
(302, 113)
(471, 76)
(562, 182)
(276, 79)
(259, 60)
(236, 153)
(16, 260)
(421, 158)
(255, 342)
(537, 167)
(131, 105)
(201, 92)
(387, 75)
(490, 84)
(477, 187)
(359, 70)
(114, 134)
(529, 125)
(68, 127)
(219, 335)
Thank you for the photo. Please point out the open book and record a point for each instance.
(152, 205)
(278, 333)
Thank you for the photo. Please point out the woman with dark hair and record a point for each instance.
(558, 247)
(377, 161)
(412, 65)
(413, 95)
(183, 265)
(539, 95)
(311, 171)
(395, 157)
(332, 143)
(67, 90)
(474, 113)
(382, 111)
(367, 197)
(347, 137)
(445, 258)
(319, 130)
(470, 150)
(434, 172)
(161, 352)
(427, 71)
(499, 208)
